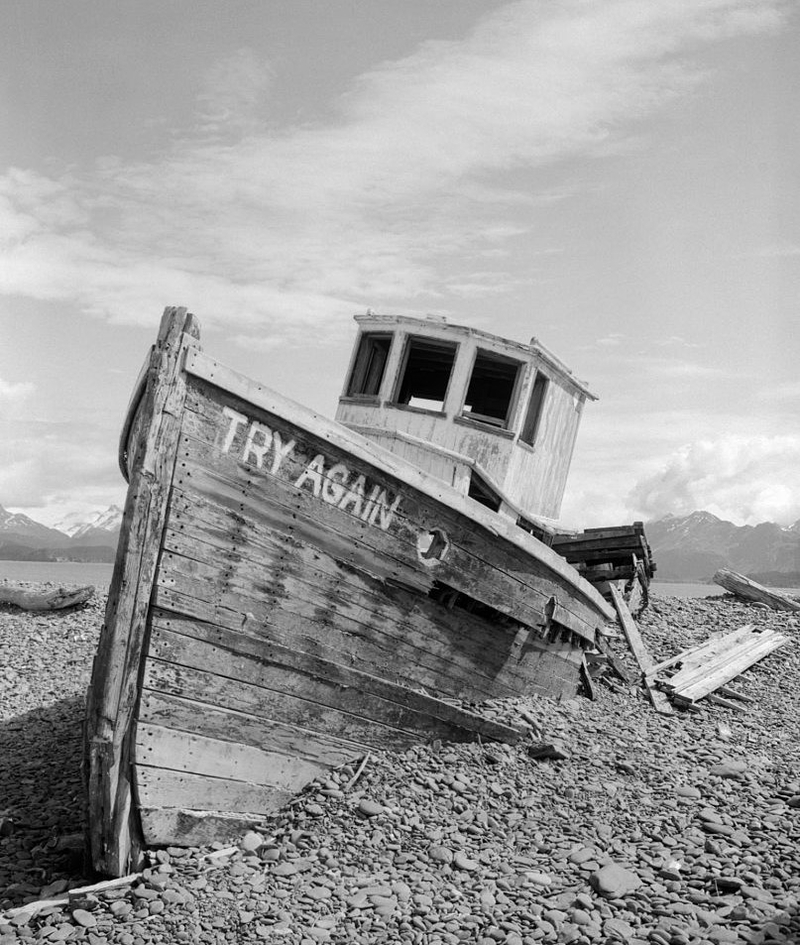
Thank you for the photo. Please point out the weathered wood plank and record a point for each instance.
(639, 650)
(701, 655)
(399, 631)
(51, 598)
(160, 747)
(174, 826)
(312, 679)
(113, 840)
(744, 587)
(161, 787)
(200, 718)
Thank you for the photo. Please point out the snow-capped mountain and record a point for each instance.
(19, 527)
(693, 547)
(80, 524)
(80, 537)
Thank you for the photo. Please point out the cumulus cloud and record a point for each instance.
(259, 225)
(744, 479)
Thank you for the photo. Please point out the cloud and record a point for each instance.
(234, 89)
(59, 468)
(744, 479)
(10, 391)
(267, 226)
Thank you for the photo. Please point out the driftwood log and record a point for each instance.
(741, 586)
(50, 598)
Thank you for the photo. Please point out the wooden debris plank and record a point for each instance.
(161, 787)
(309, 677)
(586, 677)
(752, 643)
(193, 716)
(636, 643)
(697, 653)
(714, 648)
(730, 669)
(176, 826)
(161, 747)
(743, 587)
(720, 701)
(615, 663)
(729, 693)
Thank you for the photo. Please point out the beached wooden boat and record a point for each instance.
(291, 592)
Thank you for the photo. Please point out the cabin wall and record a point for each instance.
(536, 476)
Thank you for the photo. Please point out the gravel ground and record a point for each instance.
(673, 831)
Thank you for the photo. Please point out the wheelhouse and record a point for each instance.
(495, 418)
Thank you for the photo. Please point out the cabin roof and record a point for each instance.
(438, 326)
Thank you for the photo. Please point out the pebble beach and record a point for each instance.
(638, 828)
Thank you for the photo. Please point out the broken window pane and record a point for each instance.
(482, 492)
(535, 409)
(370, 364)
(426, 373)
(491, 389)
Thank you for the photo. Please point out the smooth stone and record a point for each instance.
(614, 881)
(370, 808)
(440, 854)
(84, 918)
(686, 790)
(729, 769)
(463, 862)
(252, 841)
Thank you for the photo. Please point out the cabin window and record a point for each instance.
(535, 409)
(426, 373)
(490, 393)
(370, 365)
(482, 492)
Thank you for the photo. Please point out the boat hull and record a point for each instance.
(308, 599)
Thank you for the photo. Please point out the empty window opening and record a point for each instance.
(535, 409)
(426, 373)
(370, 365)
(480, 491)
(491, 389)
(537, 531)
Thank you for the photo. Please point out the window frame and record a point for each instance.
(537, 402)
(427, 340)
(362, 364)
(484, 420)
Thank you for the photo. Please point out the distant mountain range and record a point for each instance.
(693, 547)
(91, 537)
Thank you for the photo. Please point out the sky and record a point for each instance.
(618, 178)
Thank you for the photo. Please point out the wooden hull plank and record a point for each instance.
(401, 633)
(160, 747)
(162, 787)
(200, 718)
(174, 826)
(321, 686)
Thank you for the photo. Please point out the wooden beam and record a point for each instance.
(114, 834)
(658, 699)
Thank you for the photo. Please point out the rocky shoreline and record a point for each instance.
(676, 830)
